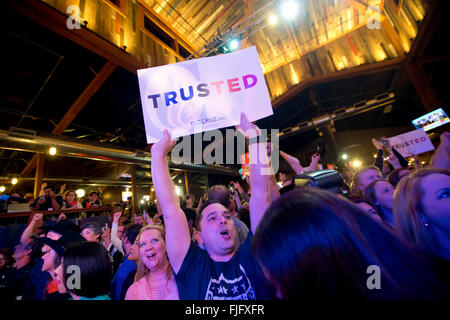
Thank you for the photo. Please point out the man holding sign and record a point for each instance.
(203, 94)
(411, 143)
(219, 271)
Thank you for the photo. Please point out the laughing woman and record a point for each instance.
(154, 278)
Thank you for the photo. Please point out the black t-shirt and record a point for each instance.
(240, 278)
(15, 282)
(48, 203)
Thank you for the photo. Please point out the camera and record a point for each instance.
(330, 180)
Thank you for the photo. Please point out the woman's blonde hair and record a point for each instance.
(357, 177)
(142, 270)
(409, 219)
(69, 191)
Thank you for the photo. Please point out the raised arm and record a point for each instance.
(314, 161)
(401, 160)
(293, 162)
(237, 199)
(241, 191)
(441, 158)
(379, 159)
(260, 172)
(114, 238)
(177, 231)
(35, 222)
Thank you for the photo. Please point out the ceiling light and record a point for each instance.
(234, 44)
(52, 151)
(289, 9)
(273, 19)
(80, 193)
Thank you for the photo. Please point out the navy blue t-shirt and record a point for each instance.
(240, 278)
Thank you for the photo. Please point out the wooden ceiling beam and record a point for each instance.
(427, 28)
(249, 4)
(164, 25)
(77, 106)
(345, 74)
(357, 4)
(52, 19)
(85, 96)
(319, 46)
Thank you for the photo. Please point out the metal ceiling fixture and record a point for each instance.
(28, 141)
(342, 113)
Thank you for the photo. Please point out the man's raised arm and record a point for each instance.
(177, 230)
(260, 172)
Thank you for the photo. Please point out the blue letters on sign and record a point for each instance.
(248, 80)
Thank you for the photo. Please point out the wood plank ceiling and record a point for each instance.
(326, 37)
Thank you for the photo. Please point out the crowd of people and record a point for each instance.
(53, 199)
(264, 240)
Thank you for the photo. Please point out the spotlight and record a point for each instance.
(80, 193)
(356, 163)
(14, 180)
(142, 201)
(2, 188)
(344, 156)
(273, 19)
(289, 9)
(234, 44)
(178, 191)
(52, 151)
(179, 180)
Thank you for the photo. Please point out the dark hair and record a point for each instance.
(220, 193)
(198, 218)
(50, 187)
(244, 216)
(95, 227)
(287, 188)
(94, 192)
(394, 176)
(190, 214)
(95, 268)
(314, 244)
(132, 232)
(20, 194)
(370, 194)
(357, 198)
(7, 253)
(35, 246)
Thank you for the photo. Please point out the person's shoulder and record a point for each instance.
(133, 290)
(246, 247)
(194, 258)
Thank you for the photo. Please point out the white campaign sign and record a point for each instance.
(411, 143)
(203, 94)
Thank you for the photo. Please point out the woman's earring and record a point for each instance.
(424, 219)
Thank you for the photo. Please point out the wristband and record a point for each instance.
(253, 140)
